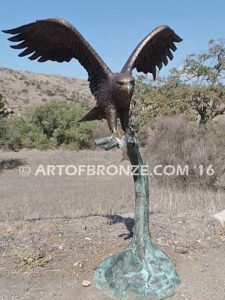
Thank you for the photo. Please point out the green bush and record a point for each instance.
(50, 126)
(2, 122)
(2, 130)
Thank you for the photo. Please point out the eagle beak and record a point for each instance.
(129, 88)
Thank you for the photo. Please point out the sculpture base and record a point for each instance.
(141, 268)
(146, 272)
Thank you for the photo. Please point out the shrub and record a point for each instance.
(50, 125)
(176, 141)
(2, 122)
(15, 131)
(2, 130)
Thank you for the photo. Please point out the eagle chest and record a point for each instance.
(121, 100)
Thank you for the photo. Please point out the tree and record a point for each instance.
(155, 99)
(205, 72)
(196, 90)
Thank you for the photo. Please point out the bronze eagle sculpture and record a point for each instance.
(57, 40)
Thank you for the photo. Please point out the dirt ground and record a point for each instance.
(49, 259)
(54, 230)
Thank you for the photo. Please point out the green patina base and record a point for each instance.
(149, 274)
(141, 269)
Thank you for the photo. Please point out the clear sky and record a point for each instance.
(114, 27)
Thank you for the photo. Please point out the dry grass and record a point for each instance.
(177, 141)
(170, 199)
(38, 197)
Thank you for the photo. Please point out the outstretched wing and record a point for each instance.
(57, 40)
(154, 50)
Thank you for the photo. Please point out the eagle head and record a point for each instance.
(123, 83)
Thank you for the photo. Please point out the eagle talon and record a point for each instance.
(122, 144)
(108, 142)
(111, 144)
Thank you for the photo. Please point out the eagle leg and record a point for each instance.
(111, 117)
(125, 121)
(110, 142)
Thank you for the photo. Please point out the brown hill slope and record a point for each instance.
(22, 90)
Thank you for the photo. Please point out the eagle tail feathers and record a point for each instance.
(95, 113)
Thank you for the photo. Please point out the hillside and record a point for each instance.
(22, 90)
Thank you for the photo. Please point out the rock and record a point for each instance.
(181, 250)
(61, 247)
(78, 264)
(220, 217)
(219, 120)
(9, 229)
(86, 283)
(48, 259)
